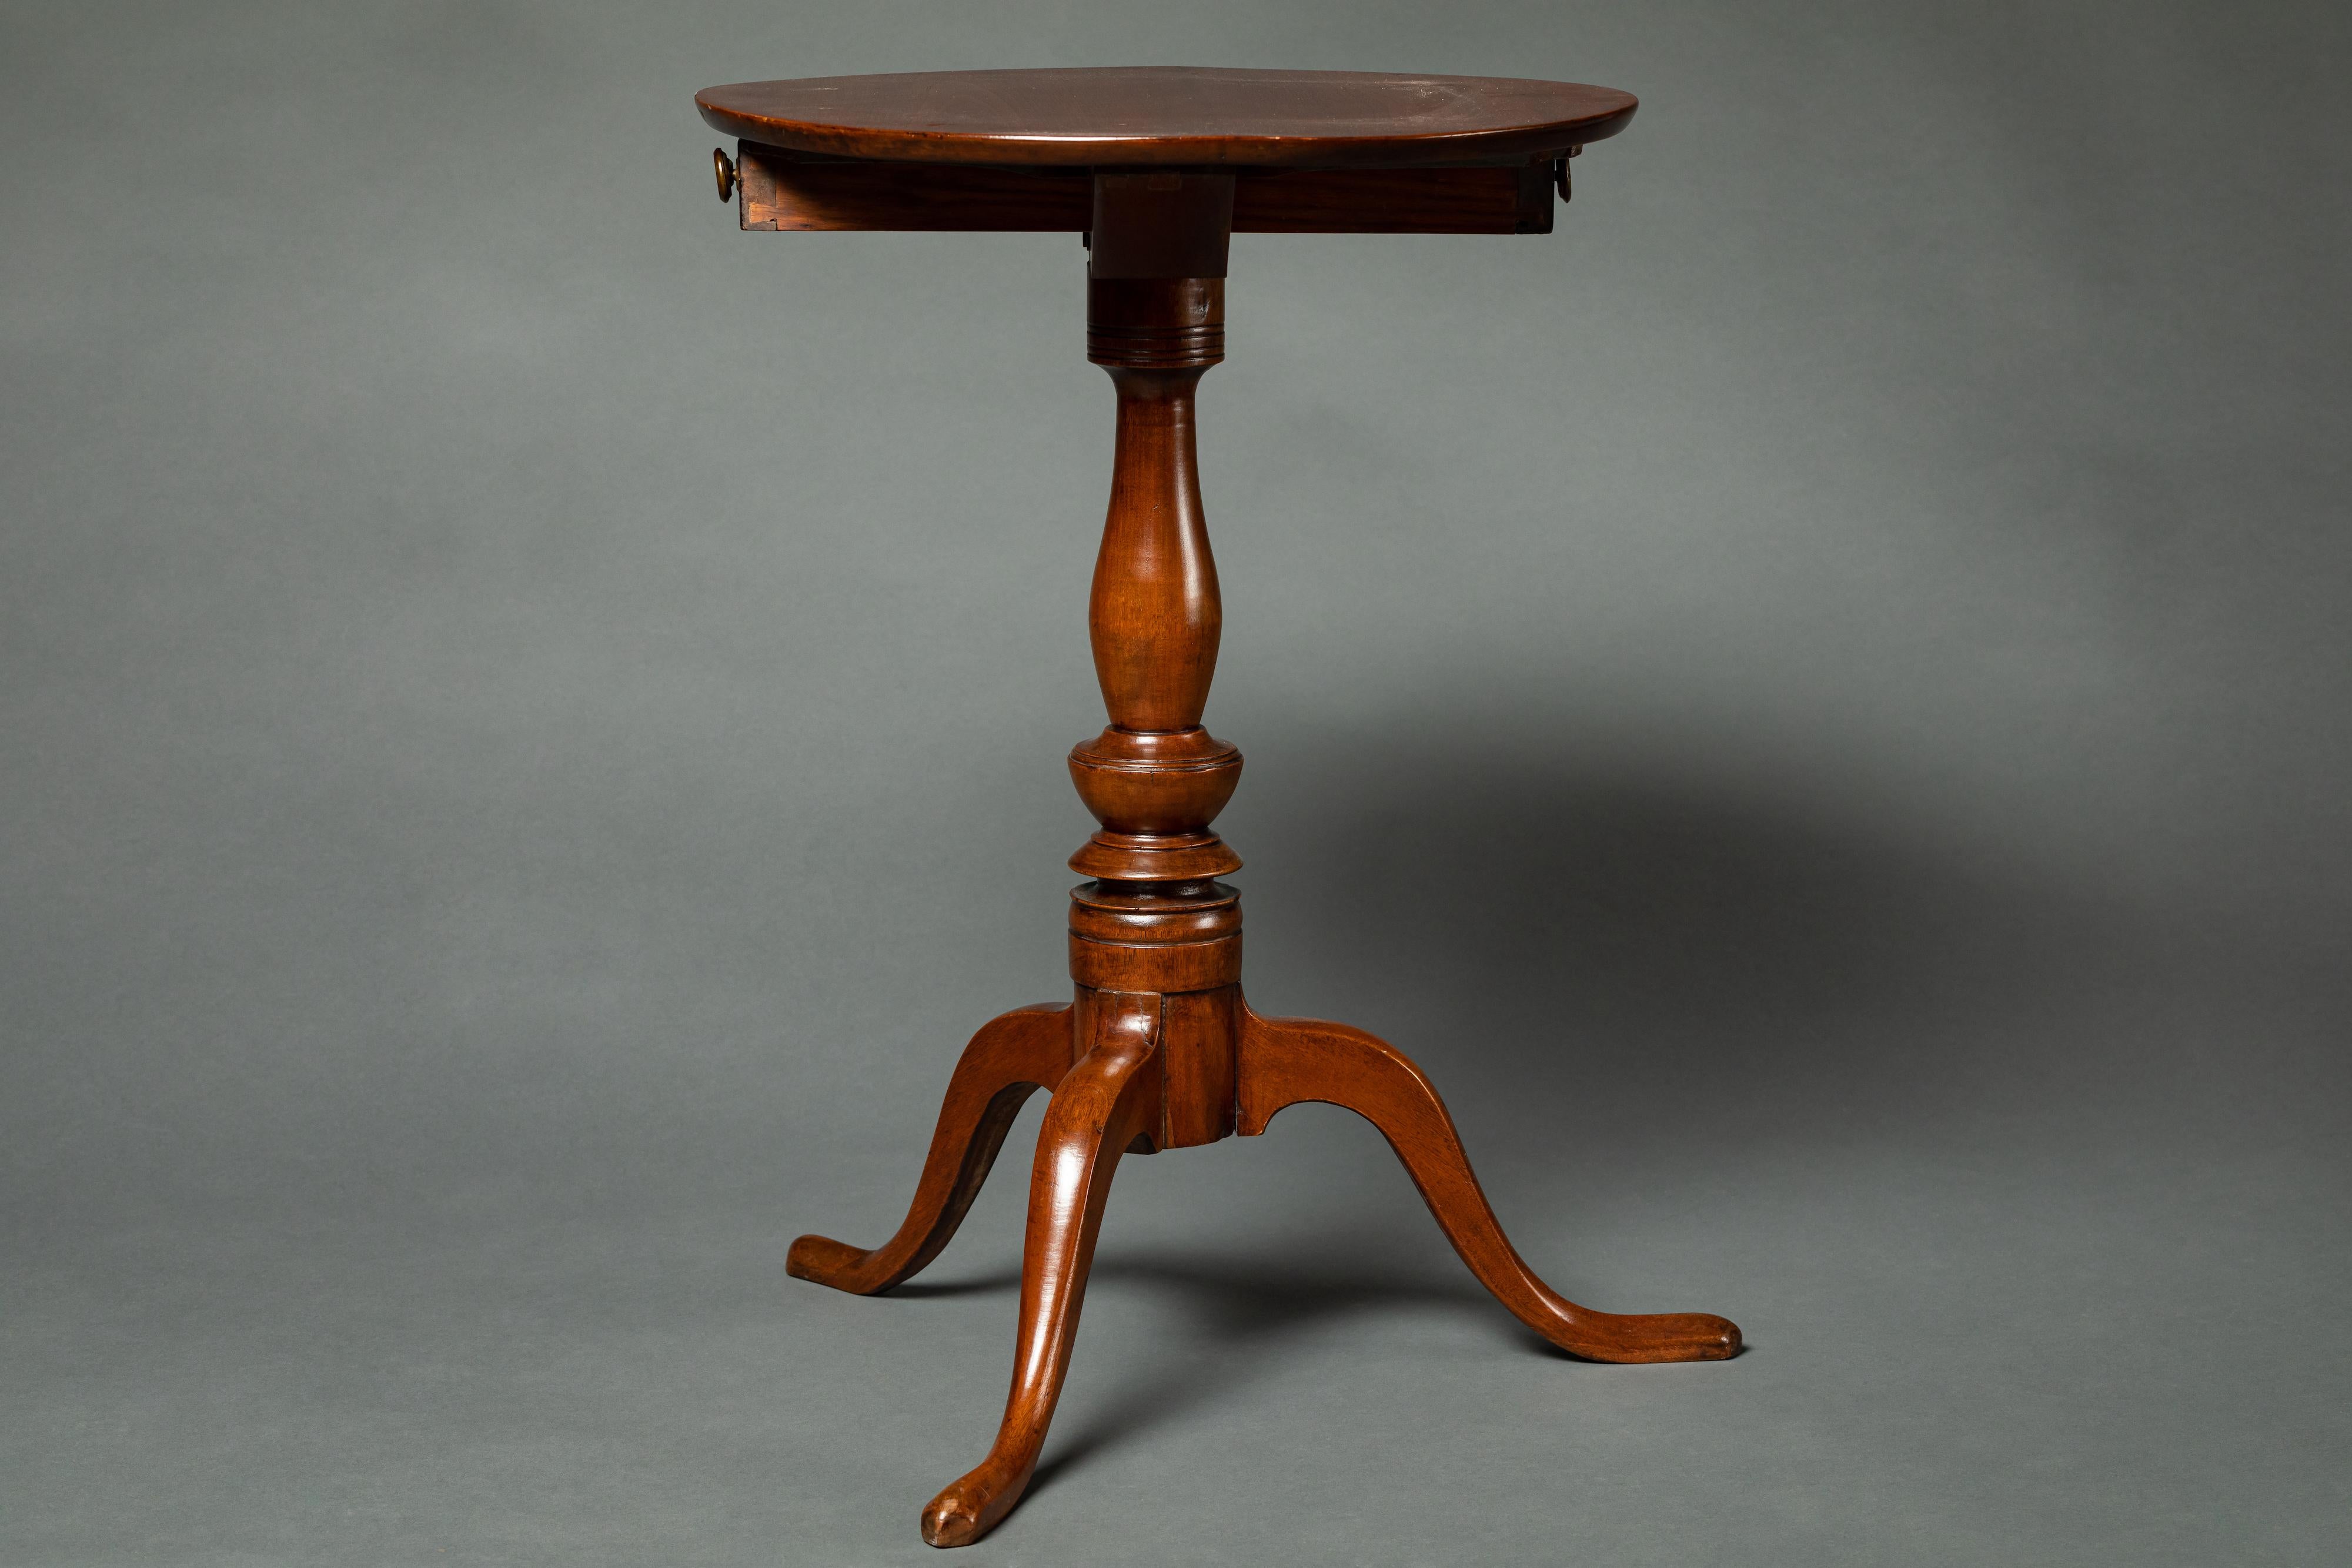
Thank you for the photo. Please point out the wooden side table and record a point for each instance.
(1157, 167)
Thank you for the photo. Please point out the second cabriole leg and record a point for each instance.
(1286, 1060)
(1109, 1101)
(1009, 1058)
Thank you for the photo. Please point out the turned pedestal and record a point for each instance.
(1157, 1049)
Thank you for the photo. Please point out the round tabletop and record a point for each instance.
(1169, 114)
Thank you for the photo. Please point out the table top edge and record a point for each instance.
(1109, 146)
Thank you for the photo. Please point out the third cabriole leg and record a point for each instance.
(1285, 1061)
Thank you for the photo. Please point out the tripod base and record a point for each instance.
(1157, 1051)
(1112, 1094)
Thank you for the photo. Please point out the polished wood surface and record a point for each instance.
(1506, 199)
(1157, 1050)
(1285, 1061)
(779, 191)
(1108, 1102)
(1154, 778)
(1170, 115)
(1009, 1059)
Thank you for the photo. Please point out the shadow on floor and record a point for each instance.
(1239, 1313)
(1656, 940)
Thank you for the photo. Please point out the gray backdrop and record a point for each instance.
(1812, 699)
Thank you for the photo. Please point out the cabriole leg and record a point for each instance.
(1286, 1060)
(1109, 1101)
(1009, 1058)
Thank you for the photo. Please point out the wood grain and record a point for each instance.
(1135, 116)
(784, 192)
(1286, 1060)
(1009, 1058)
(781, 190)
(1508, 199)
(1109, 1100)
(1155, 778)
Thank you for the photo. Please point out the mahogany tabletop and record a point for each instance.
(1168, 115)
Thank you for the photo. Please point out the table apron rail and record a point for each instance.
(782, 190)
